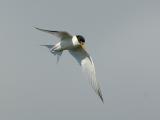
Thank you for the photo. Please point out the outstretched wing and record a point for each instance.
(61, 34)
(87, 64)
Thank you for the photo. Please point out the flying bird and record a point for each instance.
(75, 46)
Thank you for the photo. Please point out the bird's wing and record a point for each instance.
(87, 64)
(60, 34)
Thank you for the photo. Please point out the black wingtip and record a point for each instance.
(100, 95)
(36, 28)
(44, 30)
(102, 99)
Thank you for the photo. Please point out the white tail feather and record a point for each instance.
(53, 51)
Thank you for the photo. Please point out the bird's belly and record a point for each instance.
(67, 45)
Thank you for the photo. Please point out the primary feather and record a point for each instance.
(61, 34)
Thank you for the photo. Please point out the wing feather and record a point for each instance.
(86, 62)
(60, 34)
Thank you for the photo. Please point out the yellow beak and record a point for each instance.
(82, 45)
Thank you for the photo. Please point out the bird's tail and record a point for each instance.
(48, 46)
(53, 51)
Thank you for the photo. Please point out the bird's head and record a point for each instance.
(81, 39)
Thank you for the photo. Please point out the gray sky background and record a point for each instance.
(123, 37)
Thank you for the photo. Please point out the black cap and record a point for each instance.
(80, 38)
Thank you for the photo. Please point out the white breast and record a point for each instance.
(75, 41)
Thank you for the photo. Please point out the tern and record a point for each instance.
(75, 46)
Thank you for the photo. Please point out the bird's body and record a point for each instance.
(74, 44)
(66, 44)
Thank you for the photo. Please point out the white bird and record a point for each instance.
(75, 46)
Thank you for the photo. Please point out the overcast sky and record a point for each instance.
(123, 38)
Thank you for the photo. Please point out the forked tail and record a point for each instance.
(53, 51)
(48, 46)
